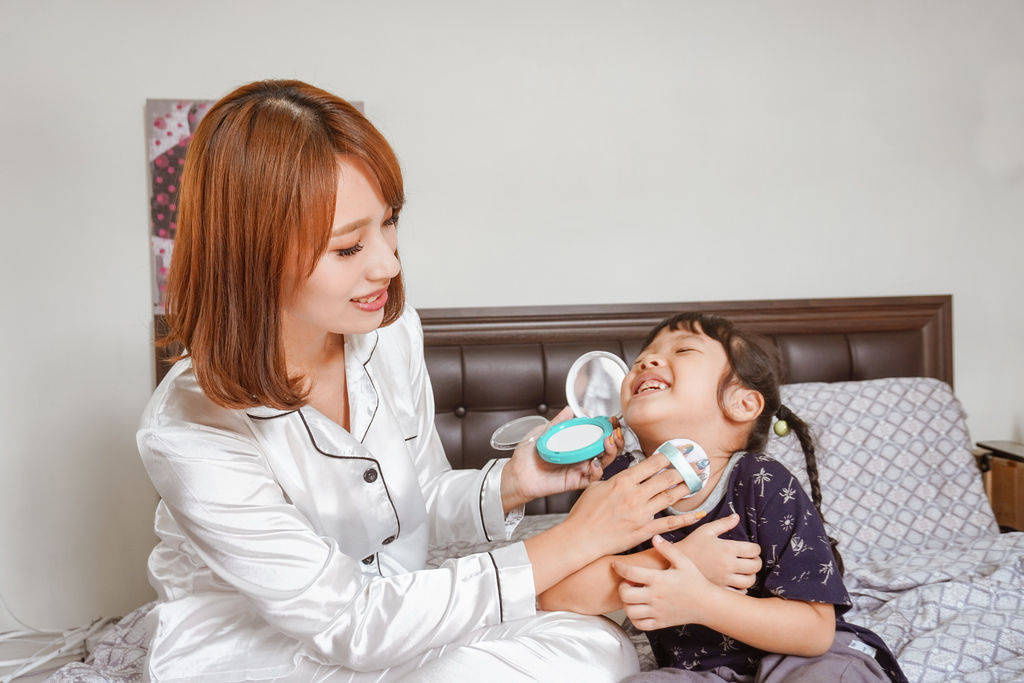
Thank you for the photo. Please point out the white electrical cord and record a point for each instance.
(56, 643)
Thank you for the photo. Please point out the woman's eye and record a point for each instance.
(350, 251)
(391, 221)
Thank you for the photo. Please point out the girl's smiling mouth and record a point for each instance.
(648, 383)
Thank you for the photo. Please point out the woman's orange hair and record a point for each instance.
(256, 206)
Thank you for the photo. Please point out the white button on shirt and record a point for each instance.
(283, 536)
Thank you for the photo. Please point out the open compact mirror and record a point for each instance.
(592, 392)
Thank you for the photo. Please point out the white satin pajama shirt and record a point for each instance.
(289, 545)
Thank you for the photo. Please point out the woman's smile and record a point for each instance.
(372, 303)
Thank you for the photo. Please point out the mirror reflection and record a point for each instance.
(592, 387)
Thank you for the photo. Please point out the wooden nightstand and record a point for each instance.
(1002, 466)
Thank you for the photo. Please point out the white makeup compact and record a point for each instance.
(592, 391)
(690, 460)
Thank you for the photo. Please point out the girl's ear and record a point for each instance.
(743, 404)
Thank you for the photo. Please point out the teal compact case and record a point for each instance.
(575, 440)
(592, 392)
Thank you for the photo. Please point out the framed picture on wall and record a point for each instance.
(169, 126)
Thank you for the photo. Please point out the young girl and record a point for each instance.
(700, 378)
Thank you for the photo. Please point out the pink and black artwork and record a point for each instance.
(169, 126)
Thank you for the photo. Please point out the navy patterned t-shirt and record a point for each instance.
(777, 514)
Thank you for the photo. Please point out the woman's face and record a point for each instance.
(347, 290)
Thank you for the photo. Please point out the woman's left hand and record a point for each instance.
(528, 476)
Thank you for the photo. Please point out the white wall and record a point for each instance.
(628, 151)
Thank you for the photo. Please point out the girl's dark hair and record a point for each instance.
(754, 363)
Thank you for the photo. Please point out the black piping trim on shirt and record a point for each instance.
(483, 482)
(271, 417)
(410, 438)
(376, 341)
(497, 578)
(376, 462)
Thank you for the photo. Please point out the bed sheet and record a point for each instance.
(927, 568)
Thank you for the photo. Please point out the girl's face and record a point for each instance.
(347, 290)
(672, 389)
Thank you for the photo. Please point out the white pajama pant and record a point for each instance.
(552, 646)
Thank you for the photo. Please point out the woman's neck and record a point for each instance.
(312, 356)
(321, 361)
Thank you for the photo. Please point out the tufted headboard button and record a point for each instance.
(542, 409)
(460, 411)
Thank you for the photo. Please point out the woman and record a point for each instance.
(294, 450)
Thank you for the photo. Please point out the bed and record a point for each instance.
(927, 566)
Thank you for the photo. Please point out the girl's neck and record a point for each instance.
(714, 447)
(719, 452)
(717, 466)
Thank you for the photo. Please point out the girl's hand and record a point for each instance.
(658, 598)
(730, 564)
(528, 476)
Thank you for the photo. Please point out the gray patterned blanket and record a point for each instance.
(926, 565)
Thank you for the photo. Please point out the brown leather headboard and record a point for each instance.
(490, 365)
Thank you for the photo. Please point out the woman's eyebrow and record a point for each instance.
(350, 227)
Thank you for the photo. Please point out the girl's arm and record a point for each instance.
(680, 595)
(595, 588)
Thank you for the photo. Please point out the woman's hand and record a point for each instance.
(618, 514)
(528, 476)
(730, 564)
(610, 517)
